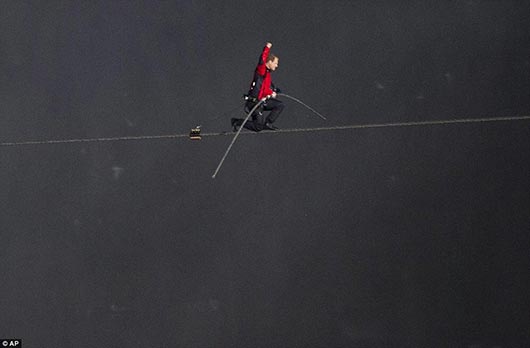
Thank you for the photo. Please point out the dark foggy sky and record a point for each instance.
(384, 237)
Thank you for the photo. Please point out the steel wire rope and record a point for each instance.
(279, 131)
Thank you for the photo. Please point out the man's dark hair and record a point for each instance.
(271, 57)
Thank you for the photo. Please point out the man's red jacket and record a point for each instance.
(262, 83)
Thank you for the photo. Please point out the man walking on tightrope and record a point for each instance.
(262, 87)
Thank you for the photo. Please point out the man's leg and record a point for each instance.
(275, 107)
(256, 124)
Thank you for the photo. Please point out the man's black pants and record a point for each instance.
(259, 119)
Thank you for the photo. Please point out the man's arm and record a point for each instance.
(266, 51)
(261, 68)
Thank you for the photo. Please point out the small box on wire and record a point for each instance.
(195, 133)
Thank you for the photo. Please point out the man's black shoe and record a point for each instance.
(270, 126)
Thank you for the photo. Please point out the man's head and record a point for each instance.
(272, 62)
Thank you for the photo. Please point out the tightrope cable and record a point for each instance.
(279, 131)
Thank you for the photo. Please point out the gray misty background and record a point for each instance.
(379, 237)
